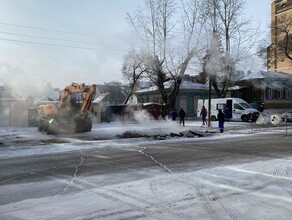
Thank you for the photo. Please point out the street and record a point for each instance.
(244, 175)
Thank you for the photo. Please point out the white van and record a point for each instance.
(233, 108)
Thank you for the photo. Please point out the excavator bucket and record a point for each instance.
(78, 124)
(81, 124)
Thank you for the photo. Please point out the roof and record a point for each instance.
(100, 98)
(151, 103)
(264, 74)
(185, 85)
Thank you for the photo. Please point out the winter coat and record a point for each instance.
(182, 113)
(221, 116)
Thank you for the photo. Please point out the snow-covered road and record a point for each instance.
(245, 173)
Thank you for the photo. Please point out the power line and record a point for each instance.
(47, 29)
(48, 38)
(58, 45)
(58, 31)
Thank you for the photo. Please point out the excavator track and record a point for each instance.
(78, 124)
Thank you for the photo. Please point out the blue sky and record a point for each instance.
(61, 41)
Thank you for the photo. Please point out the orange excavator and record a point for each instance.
(67, 116)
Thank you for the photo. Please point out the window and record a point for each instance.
(245, 105)
(278, 94)
(220, 106)
(287, 93)
(269, 93)
(238, 107)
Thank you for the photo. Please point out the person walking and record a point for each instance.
(203, 114)
(221, 120)
(182, 115)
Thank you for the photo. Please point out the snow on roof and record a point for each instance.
(100, 98)
(264, 74)
(184, 85)
(191, 85)
(151, 103)
(236, 87)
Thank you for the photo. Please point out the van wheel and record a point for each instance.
(213, 118)
(244, 118)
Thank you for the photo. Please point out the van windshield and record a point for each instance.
(245, 105)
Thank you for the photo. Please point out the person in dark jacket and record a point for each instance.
(221, 120)
(203, 114)
(182, 115)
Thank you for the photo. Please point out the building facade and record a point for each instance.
(274, 89)
(281, 33)
(187, 98)
(14, 112)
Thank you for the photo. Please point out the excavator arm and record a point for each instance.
(88, 90)
(89, 95)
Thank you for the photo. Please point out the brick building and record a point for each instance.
(281, 29)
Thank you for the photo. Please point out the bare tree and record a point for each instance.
(239, 39)
(133, 69)
(161, 32)
(281, 46)
(262, 51)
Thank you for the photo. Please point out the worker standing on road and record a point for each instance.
(203, 114)
(221, 120)
(182, 115)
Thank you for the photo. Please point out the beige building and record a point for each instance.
(281, 28)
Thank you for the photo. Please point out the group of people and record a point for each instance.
(181, 115)
(220, 116)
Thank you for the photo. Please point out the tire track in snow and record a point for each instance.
(106, 214)
(211, 203)
(170, 206)
(210, 210)
(280, 178)
(224, 206)
(146, 211)
(166, 205)
(159, 206)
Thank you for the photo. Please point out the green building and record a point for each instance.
(187, 98)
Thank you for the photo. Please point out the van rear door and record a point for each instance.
(228, 108)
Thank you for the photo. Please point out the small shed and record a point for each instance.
(154, 109)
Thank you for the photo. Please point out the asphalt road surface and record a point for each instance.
(151, 180)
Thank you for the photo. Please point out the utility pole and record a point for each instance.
(209, 103)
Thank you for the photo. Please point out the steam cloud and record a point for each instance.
(22, 86)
